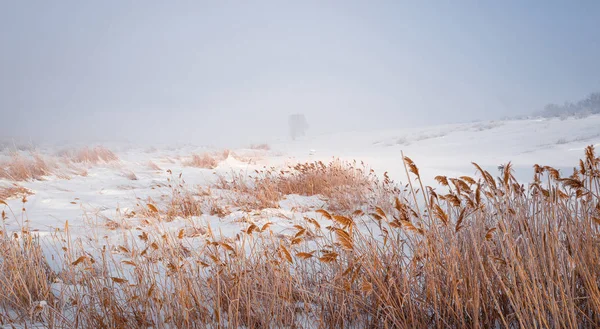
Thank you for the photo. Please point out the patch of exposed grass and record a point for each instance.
(179, 201)
(346, 185)
(153, 166)
(90, 155)
(22, 168)
(25, 277)
(35, 167)
(129, 175)
(206, 160)
(13, 191)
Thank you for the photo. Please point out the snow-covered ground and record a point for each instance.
(108, 193)
(437, 150)
(450, 149)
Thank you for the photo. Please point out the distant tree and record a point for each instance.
(552, 110)
(592, 103)
(587, 106)
(298, 125)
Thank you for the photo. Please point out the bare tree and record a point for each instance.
(298, 125)
(582, 108)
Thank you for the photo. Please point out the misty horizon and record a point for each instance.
(233, 73)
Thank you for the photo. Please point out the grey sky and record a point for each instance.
(228, 71)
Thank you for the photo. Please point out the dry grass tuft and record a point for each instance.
(130, 175)
(72, 169)
(206, 160)
(345, 185)
(95, 155)
(248, 157)
(178, 202)
(202, 161)
(36, 167)
(21, 168)
(25, 277)
(183, 204)
(13, 192)
(153, 166)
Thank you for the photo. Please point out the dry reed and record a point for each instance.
(206, 160)
(13, 191)
(21, 168)
(345, 185)
(484, 253)
(95, 155)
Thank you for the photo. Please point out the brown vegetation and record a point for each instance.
(206, 160)
(25, 277)
(345, 185)
(129, 175)
(178, 202)
(36, 167)
(153, 166)
(13, 191)
(95, 155)
(21, 168)
(486, 253)
(202, 161)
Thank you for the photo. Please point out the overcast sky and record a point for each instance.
(228, 71)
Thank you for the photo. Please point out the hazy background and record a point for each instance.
(231, 72)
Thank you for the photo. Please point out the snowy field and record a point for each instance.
(438, 150)
(106, 203)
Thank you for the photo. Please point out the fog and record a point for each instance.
(213, 72)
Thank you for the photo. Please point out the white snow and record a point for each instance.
(438, 150)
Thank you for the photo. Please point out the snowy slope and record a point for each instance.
(437, 150)
(450, 149)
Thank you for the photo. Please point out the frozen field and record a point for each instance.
(113, 202)
(439, 150)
